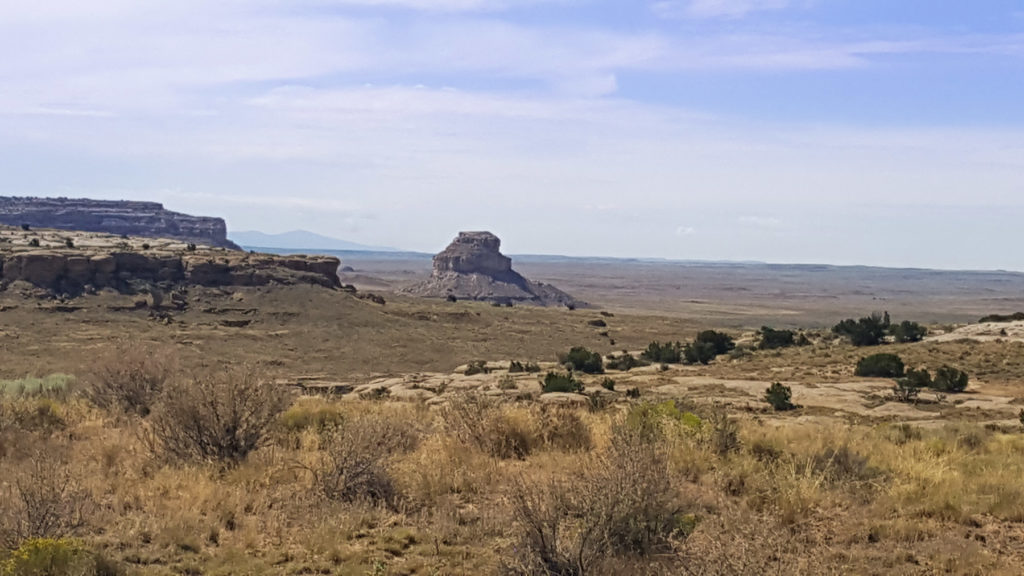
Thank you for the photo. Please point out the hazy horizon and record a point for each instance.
(782, 131)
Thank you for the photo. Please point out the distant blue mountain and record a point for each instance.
(300, 240)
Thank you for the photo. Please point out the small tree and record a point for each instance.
(583, 360)
(779, 396)
(721, 342)
(772, 339)
(908, 331)
(868, 331)
(669, 352)
(949, 379)
(555, 382)
(880, 366)
(699, 352)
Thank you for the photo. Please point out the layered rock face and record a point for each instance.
(472, 267)
(72, 264)
(148, 219)
(473, 253)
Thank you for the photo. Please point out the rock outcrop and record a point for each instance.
(472, 267)
(81, 262)
(148, 219)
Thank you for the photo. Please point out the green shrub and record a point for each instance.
(651, 420)
(583, 360)
(779, 396)
(721, 342)
(880, 366)
(608, 384)
(918, 378)
(56, 557)
(706, 346)
(772, 339)
(52, 386)
(555, 382)
(908, 331)
(624, 362)
(633, 393)
(1015, 317)
(868, 331)
(699, 353)
(669, 352)
(34, 242)
(949, 379)
(69, 243)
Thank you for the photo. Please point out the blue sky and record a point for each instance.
(844, 131)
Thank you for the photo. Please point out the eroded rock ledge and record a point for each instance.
(72, 263)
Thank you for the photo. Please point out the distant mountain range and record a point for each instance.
(299, 240)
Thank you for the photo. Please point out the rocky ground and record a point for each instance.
(62, 263)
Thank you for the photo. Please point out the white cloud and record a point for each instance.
(685, 231)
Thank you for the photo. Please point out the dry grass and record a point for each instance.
(473, 485)
(649, 492)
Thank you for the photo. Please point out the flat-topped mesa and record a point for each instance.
(72, 263)
(472, 267)
(473, 253)
(119, 217)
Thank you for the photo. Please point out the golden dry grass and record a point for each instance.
(822, 490)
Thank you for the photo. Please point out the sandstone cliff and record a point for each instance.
(75, 262)
(472, 267)
(148, 219)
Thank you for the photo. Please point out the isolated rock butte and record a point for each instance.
(472, 267)
(148, 219)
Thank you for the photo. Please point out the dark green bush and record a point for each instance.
(908, 331)
(917, 378)
(772, 338)
(555, 382)
(721, 342)
(699, 352)
(583, 360)
(1015, 317)
(34, 242)
(880, 366)
(868, 331)
(669, 352)
(608, 384)
(779, 396)
(624, 362)
(949, 379)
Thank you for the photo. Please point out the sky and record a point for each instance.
(873, 132)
